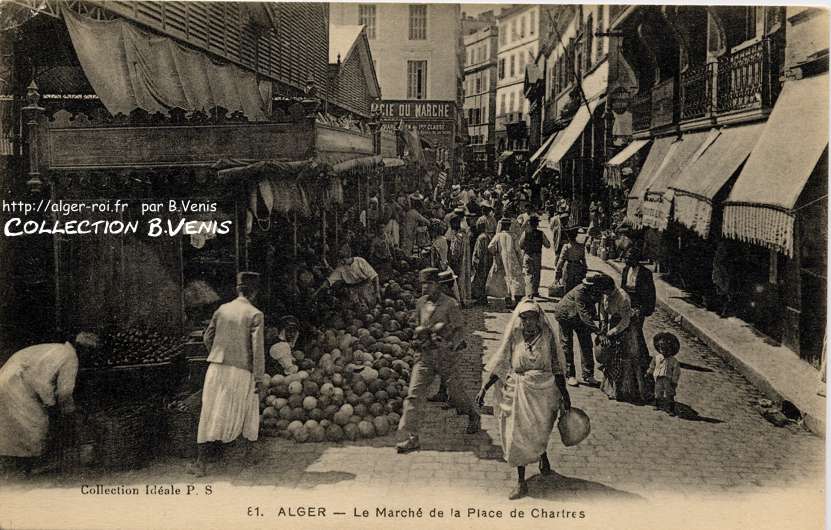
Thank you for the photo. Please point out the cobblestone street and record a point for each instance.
(719, 447)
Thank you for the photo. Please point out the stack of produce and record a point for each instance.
(135, 346)
(353, 374)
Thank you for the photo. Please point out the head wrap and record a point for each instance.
(344, 251)
(481, 223)
(499, 363)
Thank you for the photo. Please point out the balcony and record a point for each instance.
(641, 108)
(748, 78)
(696, 91)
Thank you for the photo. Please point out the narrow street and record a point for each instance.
(720, 445)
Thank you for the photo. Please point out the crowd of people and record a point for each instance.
(475, 245)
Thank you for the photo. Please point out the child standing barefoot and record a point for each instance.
(666, 370)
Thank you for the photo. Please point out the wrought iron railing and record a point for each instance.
(748, 78)
(641, 111)
(696, 91)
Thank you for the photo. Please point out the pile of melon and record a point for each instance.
(353, 374)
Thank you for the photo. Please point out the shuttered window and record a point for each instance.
(366, 18)
(416, 79)
(418, 22)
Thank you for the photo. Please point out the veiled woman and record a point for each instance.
(527, 370)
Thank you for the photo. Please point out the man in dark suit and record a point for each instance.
(637, 281)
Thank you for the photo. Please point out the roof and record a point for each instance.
(342, 40)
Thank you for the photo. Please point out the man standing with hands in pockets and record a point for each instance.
(236, 373)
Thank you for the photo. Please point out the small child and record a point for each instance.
(666, 370)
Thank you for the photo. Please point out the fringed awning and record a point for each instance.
(655, 211)
(760, 207)
(393, 162)
(612, 174)
(698, 185)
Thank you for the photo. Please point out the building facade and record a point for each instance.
(480, 96)
(416, 71)
(519, 30)
(708, 100)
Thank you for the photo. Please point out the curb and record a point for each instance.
(759, 381)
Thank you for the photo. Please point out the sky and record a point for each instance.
(475, 9)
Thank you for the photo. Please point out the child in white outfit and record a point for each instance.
(666, 369)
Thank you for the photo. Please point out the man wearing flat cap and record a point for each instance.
(236, 372)
(439, 338)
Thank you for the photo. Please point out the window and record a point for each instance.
(418, 22)
(513, 66)
(533, 24)
(513, 30)
(502, 32)
(589, 41)
(501, 73)
(502, 105)
(601, 20)
(483, 114)
(416, 79)
(522, 28)
(511, 104)
(478, 83)
(487, 80)
(366, 17)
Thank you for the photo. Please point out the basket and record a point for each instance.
(121, 437)
(183, 425)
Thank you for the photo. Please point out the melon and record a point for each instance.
(295, 387)
(285, 413)
(298, 414)
(355, 419)
(301, 434)
(334, 433)
(295, 401)
(337, 379)
(367, 398)
(281, 390)
(324, 401)
(280, 403)
(310, 388)
(365, 428)
(360, 410)
(277, 379)
(347, 409)
(327, 389)
(298, 355)
(271, 401)
(270, 412)
(340, 418)
(325, 423)
(381, 425)
(381, 396)
(375, 385)
(282, 425)
(385, 373)
(350, 431)
(393, 418)
(316, 414)
(376, 409)
(302, 374)
(309, 403)
(352, 398)
(392, 391)
(293, 426)
(359, 387)
(369, 375)
(329, 412)
(310, 424)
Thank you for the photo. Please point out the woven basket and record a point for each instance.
(121, 437)
(182, 426)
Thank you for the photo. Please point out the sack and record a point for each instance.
(574, 426)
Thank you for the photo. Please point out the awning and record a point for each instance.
(699, 183)
(613, 166)
(569, 135)
(357, 164)
(544, 147)
(659, 150)
(658, 198)
(392, 162)
(760, 207)
(130, 69)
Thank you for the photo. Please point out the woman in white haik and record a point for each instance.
(530, 388)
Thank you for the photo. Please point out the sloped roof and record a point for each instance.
(342, 40)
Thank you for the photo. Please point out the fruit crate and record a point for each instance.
(101, 386)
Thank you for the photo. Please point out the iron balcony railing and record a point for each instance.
(748, 78)
(696, 91)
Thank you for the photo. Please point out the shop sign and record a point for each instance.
(662, 103)
(415, 110)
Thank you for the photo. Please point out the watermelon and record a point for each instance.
(334, 433)
(376, 409)
(381, 425)
(295, 387)
(293, 426)
(309, 403)
(286, 413)
(295, 401)
(350, 431)
(365, 428)
(301, 434)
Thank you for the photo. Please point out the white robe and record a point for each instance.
(506, 272)
(230, 405)
(33, 379)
